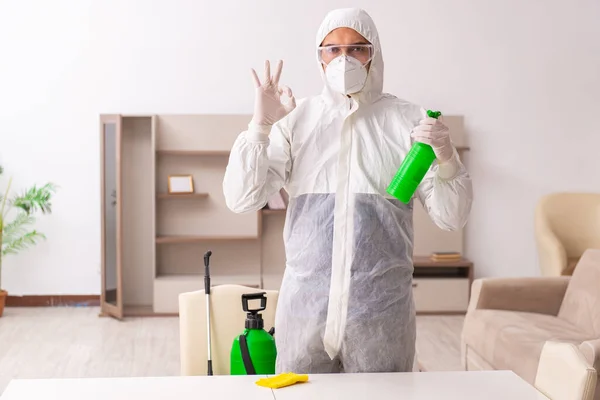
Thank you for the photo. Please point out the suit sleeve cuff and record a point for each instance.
(258, 133)
(449, 169)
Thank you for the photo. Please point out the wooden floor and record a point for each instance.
(61, 342)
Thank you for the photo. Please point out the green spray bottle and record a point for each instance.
(413, 168)
(254, 352)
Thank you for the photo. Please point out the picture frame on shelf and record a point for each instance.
(181, 184)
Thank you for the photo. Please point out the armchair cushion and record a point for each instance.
(514, 340)
(581, 305)
(538, 295)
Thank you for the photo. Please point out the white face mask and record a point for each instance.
(346, 75)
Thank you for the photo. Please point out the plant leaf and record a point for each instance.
(21, 243)
(35, 198)
(17, 227)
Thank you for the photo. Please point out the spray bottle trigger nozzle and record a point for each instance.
(434, 114)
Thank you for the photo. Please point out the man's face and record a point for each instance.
(344, 37)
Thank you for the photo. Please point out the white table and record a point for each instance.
(176, 388)
(492, 385)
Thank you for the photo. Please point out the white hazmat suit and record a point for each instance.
(346, 301)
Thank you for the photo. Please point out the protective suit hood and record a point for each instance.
(361, 22)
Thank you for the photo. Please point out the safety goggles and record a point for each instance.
(361, 52)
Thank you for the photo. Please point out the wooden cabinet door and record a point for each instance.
(110, 138)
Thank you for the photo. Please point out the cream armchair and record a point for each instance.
(227, 321)
(566, 224)
(510, 319)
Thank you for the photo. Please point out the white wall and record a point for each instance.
(524, 74)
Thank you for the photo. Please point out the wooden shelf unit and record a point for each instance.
(194, 239)
(204, 153)
(182, 196)
(153, 241)
(153, 246)
(442, 287)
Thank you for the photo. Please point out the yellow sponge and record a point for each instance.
(282, 380)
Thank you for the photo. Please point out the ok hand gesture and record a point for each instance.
(268, 107)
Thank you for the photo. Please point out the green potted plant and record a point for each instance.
(17, 214)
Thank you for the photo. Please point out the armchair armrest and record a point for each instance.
(542, 295)
(564, 373)
(591, 351)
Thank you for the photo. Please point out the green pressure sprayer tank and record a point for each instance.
(413, 168)
(254, 352)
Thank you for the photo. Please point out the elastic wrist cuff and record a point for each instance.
(448, 170)
(258, 133)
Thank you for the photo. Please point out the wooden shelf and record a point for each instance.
(425, 261)
(267, 211)
(211, 153)
(193, 239)
(222, 153)
(215, 280)
(165, 196)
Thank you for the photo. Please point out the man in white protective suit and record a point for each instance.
(346, 301)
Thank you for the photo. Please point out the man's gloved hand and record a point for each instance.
(434, 133)
(268, 107)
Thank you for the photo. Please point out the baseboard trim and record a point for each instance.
(76, 300)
